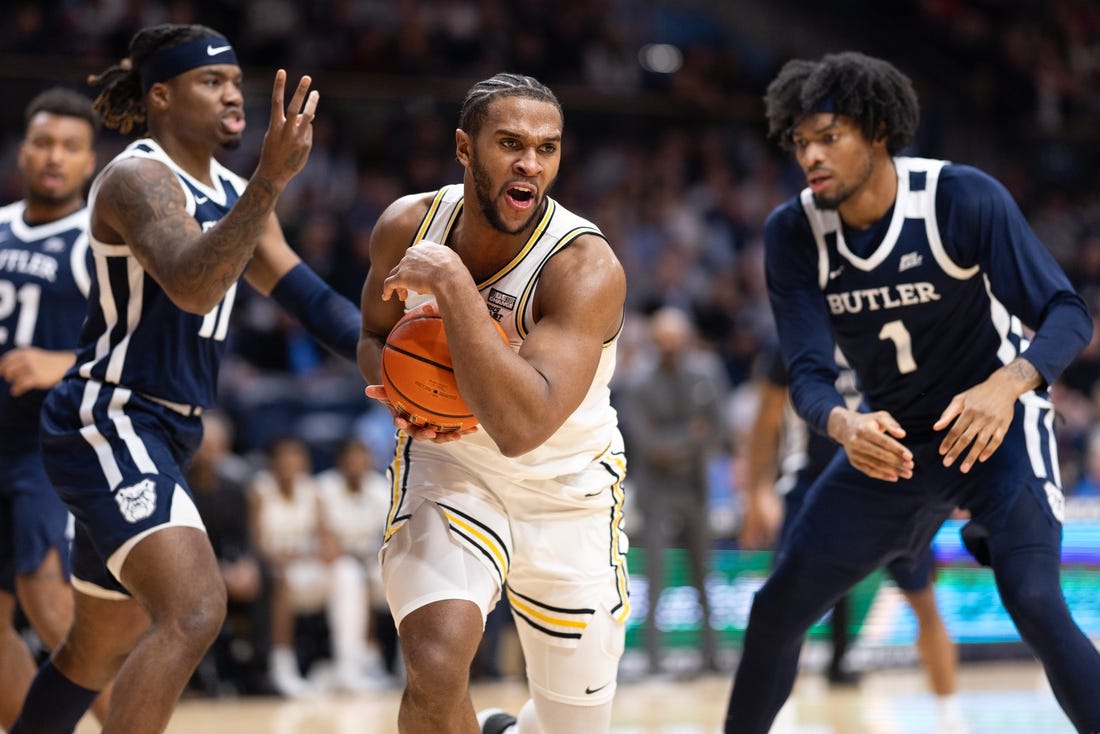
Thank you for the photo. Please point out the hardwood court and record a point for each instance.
(995, 699)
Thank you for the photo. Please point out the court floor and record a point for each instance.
(995, 699)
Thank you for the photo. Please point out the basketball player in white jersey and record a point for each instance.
(533, 496)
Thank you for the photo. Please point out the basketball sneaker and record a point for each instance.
(496, 721)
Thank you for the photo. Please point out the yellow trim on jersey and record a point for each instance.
(542, 617)
(565, 240)
(429, 216)
(617, 466)
(397, 471)
(486, 541)
(551, 207)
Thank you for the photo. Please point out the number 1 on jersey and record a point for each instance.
(896, 332)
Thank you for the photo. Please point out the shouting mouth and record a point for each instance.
(521, 196)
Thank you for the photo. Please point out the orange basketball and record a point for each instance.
(418, 375)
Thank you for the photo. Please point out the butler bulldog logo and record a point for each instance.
(137, 502)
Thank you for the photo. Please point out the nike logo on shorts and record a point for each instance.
(215, 50)
(590, 691)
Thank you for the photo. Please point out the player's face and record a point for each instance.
(514, 161)
(835, 156)
(207, 104)
(56, 158)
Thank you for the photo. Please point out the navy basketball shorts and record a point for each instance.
(33, 519)
(909, 573)
(852, 521)
(118, 461)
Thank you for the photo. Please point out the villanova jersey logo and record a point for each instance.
(137, 502)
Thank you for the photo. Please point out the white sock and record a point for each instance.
(947, 708)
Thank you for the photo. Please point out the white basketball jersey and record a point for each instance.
(357, 519)
(508, 295)
(286, 525)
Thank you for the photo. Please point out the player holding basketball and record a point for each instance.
(923, 272)
(172, 231)
(532, 497)
(43, 298)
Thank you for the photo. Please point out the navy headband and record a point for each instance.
(169, 62)
(826, 104)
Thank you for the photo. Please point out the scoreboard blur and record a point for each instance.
(966, 594)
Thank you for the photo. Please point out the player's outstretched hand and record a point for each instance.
(418, 432)
(871, 441)
(289, 134)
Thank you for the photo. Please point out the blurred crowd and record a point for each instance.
(664, 150)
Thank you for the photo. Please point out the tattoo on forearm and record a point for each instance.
(1024, 371)
(208, 264)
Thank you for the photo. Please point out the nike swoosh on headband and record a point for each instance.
(215, 50)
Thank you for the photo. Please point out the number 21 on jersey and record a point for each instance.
(26, 298)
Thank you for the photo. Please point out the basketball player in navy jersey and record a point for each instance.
(784, 458)
(172, 232)
(923, 272)
(44, 278)
(533, 496)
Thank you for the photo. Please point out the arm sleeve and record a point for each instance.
(985, 226)
(801, 317)
(329, 317)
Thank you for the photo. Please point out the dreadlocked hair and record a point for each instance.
(476, 105)
(121, 103)
(870, 91)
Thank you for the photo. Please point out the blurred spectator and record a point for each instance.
(356, 499)
(311, 572)
(672, 413)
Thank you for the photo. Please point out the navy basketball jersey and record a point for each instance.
(135, 336)
(44, 285)
(917, 326)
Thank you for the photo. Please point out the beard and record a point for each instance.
(487, 203)
(232, 143)
(833, 202)
(51, 198)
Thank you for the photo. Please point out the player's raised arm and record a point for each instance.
(140, 202)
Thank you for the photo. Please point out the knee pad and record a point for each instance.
(583, 674)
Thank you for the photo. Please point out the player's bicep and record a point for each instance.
(578, 310)
(140, 202)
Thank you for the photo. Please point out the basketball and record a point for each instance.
(417, 373)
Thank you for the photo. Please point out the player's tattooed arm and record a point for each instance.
(1024, 373)
(142, 200)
